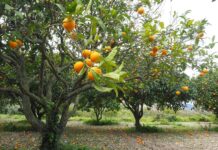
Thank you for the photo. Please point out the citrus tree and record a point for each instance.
(99, 102)
(156, 56)
(206, 95)
(51, 51)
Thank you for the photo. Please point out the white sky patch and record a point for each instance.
(200, 9)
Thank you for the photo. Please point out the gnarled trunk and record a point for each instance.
(137, 117)
(50, 139)
(138, 113)
(52, 132)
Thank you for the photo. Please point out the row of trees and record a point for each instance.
(47, 71)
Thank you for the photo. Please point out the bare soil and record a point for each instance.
(117, 137)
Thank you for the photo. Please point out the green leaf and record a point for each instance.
(96, 76)
(112, 75)
(71, 7)
(112, 54)
(102, 89)
(190, 22)
(17, 13)
(8, 7)
(119, 68)
(61, 7)
(117, 74)
(79, 9)
(161, 25)
(100, 22)
(87, 12)
(82, 71)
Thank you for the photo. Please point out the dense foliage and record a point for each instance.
(51, 52)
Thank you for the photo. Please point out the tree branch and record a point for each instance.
(77, 91)
(10, 90)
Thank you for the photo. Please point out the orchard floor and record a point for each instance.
(120, 137)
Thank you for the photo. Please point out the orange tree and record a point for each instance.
(51, 51)
(155, 53)
(206, 94)
(100, 102)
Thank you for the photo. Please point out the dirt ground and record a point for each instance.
(117, 138)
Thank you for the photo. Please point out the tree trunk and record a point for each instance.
(97, 119)
(98, 114)
(51, 133)
(50, 140)
(137, 121)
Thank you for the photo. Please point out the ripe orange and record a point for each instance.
(141, 10)
(95, 56)
(73, 35)
(185, 88)
(19, 43)
(95, 69)
(88, 62)
(12, 44)
(190, 47)
(205, 70)
(164, 52)
(201, 74)
(155, 49)
(123, 33)
(153, 54)
(178, 92)
(86, 53)
(151, 38)
(78, 66)
(69, 24)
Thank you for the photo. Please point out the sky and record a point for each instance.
(200, 9)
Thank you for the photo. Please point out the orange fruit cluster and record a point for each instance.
(91, 57)
(203, 72)
(154, 51)
(183, 88)
(96, 70)
(15, 44)
(69, 24)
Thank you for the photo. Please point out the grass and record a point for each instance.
(150, 118)
(12, 117)
(16, 126)
(102, 122)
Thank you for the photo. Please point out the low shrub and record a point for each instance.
(102, 122)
